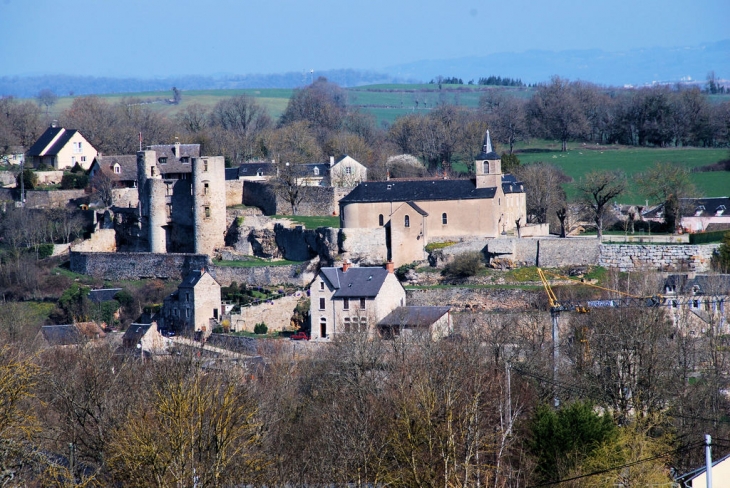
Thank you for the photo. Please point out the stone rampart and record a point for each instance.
(628, 257)
(133, 266)
(315, 200)
(42, 198)
(101, 240)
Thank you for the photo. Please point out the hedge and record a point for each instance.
(707, 237)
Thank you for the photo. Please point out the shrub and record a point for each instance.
(45, 251)
(30, 179)
(464, 265)
(74, 181)
(721, 260)
(401, 271)
(432, 246)
(260, 328)
(509, 162)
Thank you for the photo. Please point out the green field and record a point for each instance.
(580, 159)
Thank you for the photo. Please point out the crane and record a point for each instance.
(557, 306)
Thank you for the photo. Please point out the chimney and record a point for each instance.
(346, 265)
(54, 124)
(177, 148)
(390, 266)
(332, 161)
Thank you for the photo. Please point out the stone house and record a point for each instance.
(434, 322)
(353, 299)
(698, 214)
(413, 213)
(696, 302)
(76, 334)
(195, 307)
(61, 148)
(145, 338)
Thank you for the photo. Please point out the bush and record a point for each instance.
(464, 265)
(45, 251)
(30, 179)
(260, 328)
(721, 260)
(74, 181)
(509, 162)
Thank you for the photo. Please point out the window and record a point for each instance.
(187, 297)
(77, 147)
(316, 171)
(321, 304)
(346, 304)
(117, 169)
(205, 165)
(407, 221)
(444, 218)
(207, 212)
(260, 172)
(362, 303)
(347, 324)
(162, 160)
(177, 312)
(348, 170)
(152, 171)
(185, 160)
(187, 312)
(321, 285)
(205, 188)
(380, 220)
(169, 209)
(83, 159)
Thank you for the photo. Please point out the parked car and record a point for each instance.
(300, 336)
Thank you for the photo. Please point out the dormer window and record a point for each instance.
(162, 160)
(720, 210)
(316, 171)
(699, 210)
(185, 160)
(260, 172)
(117, 169)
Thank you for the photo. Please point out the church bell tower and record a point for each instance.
(488, 166)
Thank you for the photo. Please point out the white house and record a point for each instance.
(62, 148)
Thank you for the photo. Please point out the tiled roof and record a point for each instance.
(414, 316)
(416, 190)
(356, 281)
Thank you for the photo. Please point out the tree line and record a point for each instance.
(476, 409)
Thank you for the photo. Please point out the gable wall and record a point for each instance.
(65, 157)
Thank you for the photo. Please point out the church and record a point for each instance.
(413, 213)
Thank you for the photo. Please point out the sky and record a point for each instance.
(159, 38)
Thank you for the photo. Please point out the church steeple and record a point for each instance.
(487, 146)
(488, 165)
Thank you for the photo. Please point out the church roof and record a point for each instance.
(416, 190)
(487, 151)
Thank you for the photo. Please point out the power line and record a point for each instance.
(627, 465)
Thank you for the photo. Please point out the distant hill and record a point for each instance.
(64, 85)
(634, 67)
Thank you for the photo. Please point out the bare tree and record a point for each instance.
(597, 190)
(668, 184)
(47, 98)
(544, 193)
(557, 112)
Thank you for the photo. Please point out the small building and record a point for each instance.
(697, 214)
(69, 334)
(13, 156)
(144, 338)
(62, 148)
(697, 478)
(696, 302)
(353, 299)
(252, 171)
(433, 322)
(194, 307)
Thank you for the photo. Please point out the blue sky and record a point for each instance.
(156, 38)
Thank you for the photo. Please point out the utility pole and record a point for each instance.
(708, 459)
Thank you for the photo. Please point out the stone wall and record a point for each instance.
(49, 177)
(101, 240)
(125, 197)
(7, 178)
(133, 266)
(276, 314)
(475, 299)
(317, 200)
(234, 192)
(627, 257)
(364, 246)
(43, 198)
(296, 274)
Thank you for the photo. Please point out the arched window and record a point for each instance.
(380, 220)
(407, 221)
(316, 171)
(444, 218)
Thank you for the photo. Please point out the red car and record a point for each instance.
(300, 336)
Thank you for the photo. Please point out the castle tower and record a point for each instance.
(209, 203)
(488, 166)
(151, 191)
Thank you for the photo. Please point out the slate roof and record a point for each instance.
(417, 209)
(127, 166)
(41, 146)
(251, 169)
(174, 162)
(356, 281)
(61, 335)
(103, 294)
(135, 332)
(681, 284)
(414, 316)
(487, 152)
(192, 278)
(416, 190)
(691, 206)
(511, 185)
(307, 170)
